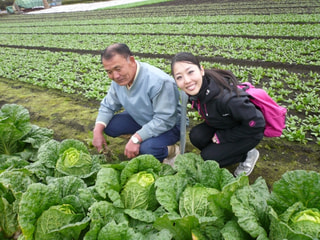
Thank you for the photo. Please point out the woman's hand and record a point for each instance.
(215, 139)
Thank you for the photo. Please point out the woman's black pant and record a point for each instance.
(224, 153)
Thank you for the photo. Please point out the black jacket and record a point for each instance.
(235, 119)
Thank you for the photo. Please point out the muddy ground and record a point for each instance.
(73, 117)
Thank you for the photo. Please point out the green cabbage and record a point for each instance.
(307, 221)
(194, 201)
(17, 134)
(75, 159)
(51, 223)
(56, 211)
(295, 206)
(139, 192)
(14, 124)
(74, 162)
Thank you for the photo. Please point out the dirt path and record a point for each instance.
(73, 117)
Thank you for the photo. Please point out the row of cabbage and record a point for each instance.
(206, 8)
(58, 190)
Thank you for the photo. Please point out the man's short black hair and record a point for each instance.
(117, 48)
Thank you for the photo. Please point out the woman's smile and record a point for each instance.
(188, 77)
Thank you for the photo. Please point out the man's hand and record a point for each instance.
(99, 141)
(132, 149)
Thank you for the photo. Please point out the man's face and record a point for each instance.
(120, 69)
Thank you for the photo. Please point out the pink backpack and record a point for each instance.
(274, 115)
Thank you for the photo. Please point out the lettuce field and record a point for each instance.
(57, 188)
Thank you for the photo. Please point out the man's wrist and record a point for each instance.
(98, 129)
(135, 138)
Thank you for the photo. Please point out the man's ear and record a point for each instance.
(131, 59)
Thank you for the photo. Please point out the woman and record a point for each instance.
(233, 126)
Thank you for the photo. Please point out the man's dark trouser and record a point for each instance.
(123, 123)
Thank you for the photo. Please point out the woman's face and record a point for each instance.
(188, 77)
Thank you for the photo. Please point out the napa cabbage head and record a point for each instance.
(14, 125)
(194, 201)
(139, 192)
(295, 205)
(75, 160)
(72, 157)
(306, 221)
(53, 221)
(17, 135)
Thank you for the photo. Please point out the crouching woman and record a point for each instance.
(232, 125)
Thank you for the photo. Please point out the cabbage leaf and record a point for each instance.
(139, 192)
(288, 190)
(18, 135)
(208, 173)
(14, 124)
(12, 185)
(63, 193)
(75, 159)
(295, 206)
(194, 201)
(249, 205)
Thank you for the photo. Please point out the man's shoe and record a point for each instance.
(173, 152)
(247, 166)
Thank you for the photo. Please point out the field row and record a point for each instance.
(272, 29)
(306, 52)
(82, 74)
(30, 20)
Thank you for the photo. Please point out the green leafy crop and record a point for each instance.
(295, 210)
(68, 158)
(75, 162)
(307, 221)
(17, 134)
(14, 125)
(139, 192)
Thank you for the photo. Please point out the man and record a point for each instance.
(150, 99)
